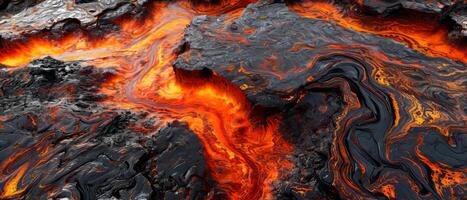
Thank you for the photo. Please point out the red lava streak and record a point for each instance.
(246, 154)
(423, 33)
(244, 157)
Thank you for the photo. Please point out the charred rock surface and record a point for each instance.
(454, 11)
(458, 14)
(13, 7)
(308, 125)
(269, 50)
(48, 80)
(182, 178)
(385, 6)
(60, 15)
(62, 143)
(375, 90)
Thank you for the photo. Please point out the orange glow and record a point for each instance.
(388, 191)
(425, 36)
(444, 177)
(36, 47)
(10, 189)
(244, 156)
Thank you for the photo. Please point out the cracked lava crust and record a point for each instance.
(241, 99)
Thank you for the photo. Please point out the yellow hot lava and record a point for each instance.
(244, 157)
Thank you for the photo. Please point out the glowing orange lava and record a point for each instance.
(244, 157)
(422, 33)
(10, 189)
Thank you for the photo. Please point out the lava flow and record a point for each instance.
(420, 32)
(244, 157)
(240, 99)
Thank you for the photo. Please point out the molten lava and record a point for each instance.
(244, 157)
(247, 153)
(421, 32)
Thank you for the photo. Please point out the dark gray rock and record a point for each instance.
(53, 127)
(455, 11)
(269, 50)
(50, 14)
(385, 6)
(344, 96)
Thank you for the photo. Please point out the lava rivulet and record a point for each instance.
(250, 80)
(422, 33)
(244, 157)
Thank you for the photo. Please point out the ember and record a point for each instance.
(238, 99)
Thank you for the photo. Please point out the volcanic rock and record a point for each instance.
(340, 93)
(49, 80)
(56, 14)
(455, 11)
(270, 51)
(459, 15)
(12, 7)
(64, 144)
(384, 6)
(180, 168)
(368, 117)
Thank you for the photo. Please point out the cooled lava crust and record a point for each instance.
(51, 121)
(253, 100)
(299, 67)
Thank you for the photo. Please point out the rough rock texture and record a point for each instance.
(347, 99)
(452, 10)
(459, 15)
(55, 14)
(180, 170)
(62, 143)
(368, 117)
(308, 125)
(269, 50)
(8, 7)
(431, 6)
(49, 80)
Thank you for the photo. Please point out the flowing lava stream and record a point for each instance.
(244, 156)
(420, 32)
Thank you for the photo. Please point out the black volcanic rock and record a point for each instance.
(458, 14)
(67, 145)
(8, 7)
(183, 177)
(103, 159)
(455, 11)
(59, 15)
(384, 6)
(48, 80)
(346, 99)
(368, 117)
(269, 50)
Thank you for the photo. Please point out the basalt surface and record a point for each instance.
(64, 15)
(254, 103)
(363, 112)
(451, 11)
(436, 6)
(66, 145)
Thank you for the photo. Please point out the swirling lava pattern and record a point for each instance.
(401, 132)
(395, 138)
(244, 157)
